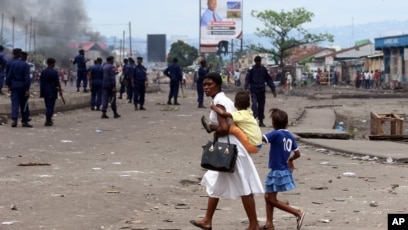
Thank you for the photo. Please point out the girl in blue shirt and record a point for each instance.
(280, 179)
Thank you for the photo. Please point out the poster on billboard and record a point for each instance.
(220, 20)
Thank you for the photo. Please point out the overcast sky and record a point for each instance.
(181, 17)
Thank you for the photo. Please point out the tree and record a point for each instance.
(285, 31)
(185, 53)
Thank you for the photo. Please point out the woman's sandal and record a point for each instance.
(267, 227)
(299, 219)
(193, 222)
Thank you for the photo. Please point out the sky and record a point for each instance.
(181, 17)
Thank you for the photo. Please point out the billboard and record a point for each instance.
(220, 20)
(156, 48)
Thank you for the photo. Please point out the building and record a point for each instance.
(395, 58)
(347, 62)
(92, 50)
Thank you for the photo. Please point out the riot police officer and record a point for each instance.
(80, 61)
(95, 81)
(50, 85)
(175, 74)
(139, 80)
(109, 88)
(255, 81)
(19, 82)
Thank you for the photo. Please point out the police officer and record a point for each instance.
(80, 61)
(202, 71)
(176, 76)
(139, 81)
(3, 64)
(49, 88)
(128, 77)
(122, 79)
(19, 82)
(109, 88)
(255, 81)
(95, 81)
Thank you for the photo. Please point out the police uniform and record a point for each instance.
(96, 72)
(175, 74)
(255, 81)
(128, 77)
(108, 89)
(49, 85)
(18, 80)
(139, 84)
(80, 61)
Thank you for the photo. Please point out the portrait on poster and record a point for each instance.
(219, 20)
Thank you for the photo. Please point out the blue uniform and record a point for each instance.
(80, 61)
(3, 64)
(202, 71)
(255, 81)
(139, 80)
(96, 72)
(175, 74)
(18, 80)
(108, 85)
(49, 83)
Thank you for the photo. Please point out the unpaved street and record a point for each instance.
(141, 171)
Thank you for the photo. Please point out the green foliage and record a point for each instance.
(185, 53)
(306, 60)
(285, 31)
(213, 61)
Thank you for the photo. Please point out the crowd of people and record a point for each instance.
(369, 79)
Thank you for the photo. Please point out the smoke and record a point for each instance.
(53, 24)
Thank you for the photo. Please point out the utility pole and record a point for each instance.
(26, 37)
(130, 40)
(1, 33)
(123, 46)
(31, 34)
(120, 50)
(232, 55)
(12, 38)
(34, 42)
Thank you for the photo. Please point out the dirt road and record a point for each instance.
(141, 171)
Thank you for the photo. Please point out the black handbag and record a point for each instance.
(219, 156)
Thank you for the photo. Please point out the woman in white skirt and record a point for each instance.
(244, 182)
